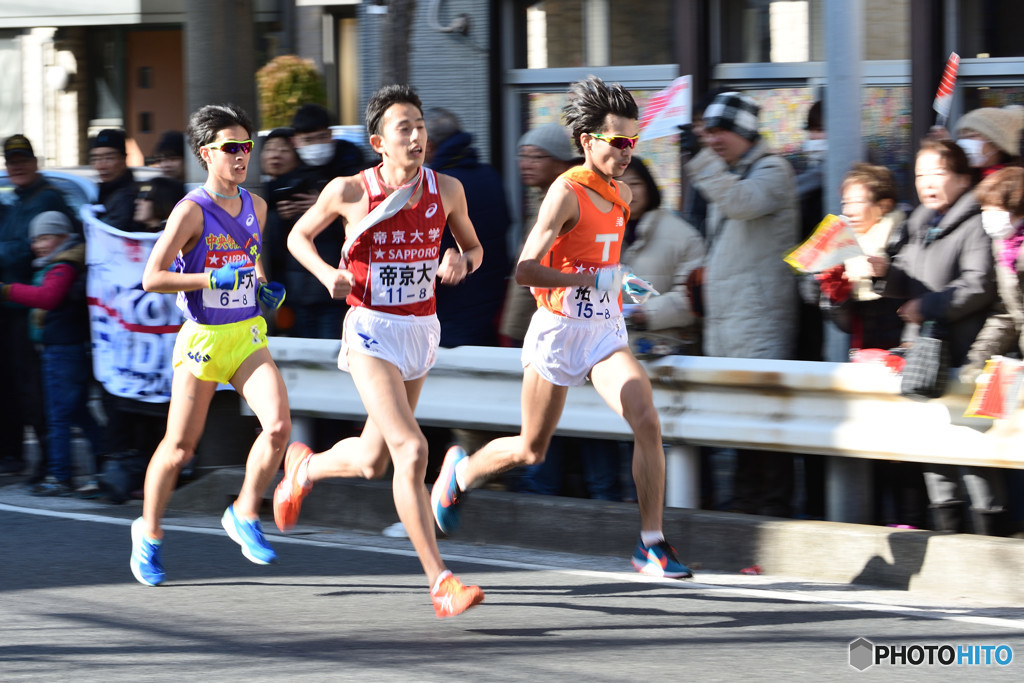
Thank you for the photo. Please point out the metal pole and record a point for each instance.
(844, 55)
(682, 476)
(219, 62)
(848, 488)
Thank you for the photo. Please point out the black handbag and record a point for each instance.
(926, 373)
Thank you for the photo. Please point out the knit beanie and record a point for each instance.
(109, 137)
(734, 112)
(171, 144)
(552, 138)
(1002, 126)
(49, 223)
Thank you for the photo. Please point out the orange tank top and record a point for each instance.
(593, 243)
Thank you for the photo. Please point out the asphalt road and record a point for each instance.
(341, 605)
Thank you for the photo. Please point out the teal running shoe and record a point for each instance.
(659, 560)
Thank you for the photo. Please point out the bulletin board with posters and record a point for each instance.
(885, 127)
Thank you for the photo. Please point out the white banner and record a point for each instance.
(667, 109)
(133, 331)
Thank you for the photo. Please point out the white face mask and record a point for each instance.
(316, 155)
(973, 148)
(997, 224)
(815, 146)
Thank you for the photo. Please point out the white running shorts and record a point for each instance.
(409, 342)
(564, 350)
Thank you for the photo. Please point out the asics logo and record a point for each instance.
(431, 210)
(446, 603)
(368, 341)
(249, 221)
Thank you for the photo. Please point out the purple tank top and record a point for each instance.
(225, 239)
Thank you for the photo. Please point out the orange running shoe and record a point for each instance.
(289, 493)
(452, 597)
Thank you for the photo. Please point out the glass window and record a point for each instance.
(767, 30)
(778, 31)
(573, 33)
(991, 28)
(991, 97)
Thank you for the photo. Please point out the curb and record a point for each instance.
(954, 566)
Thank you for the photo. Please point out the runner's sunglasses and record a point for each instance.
(231, 146)
(618, 141)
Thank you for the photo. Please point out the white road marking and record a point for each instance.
(940, 613)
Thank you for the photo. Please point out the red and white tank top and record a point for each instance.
(394, 263)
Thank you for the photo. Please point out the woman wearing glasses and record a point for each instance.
(210, 254)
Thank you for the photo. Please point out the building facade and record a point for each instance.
(503, 65)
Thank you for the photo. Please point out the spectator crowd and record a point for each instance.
(947, 264)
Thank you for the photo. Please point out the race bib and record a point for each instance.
(589, 303)
(399, 284)
(243, 297)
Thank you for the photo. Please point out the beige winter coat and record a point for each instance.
(750, 297)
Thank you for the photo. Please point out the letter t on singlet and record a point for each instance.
(608, 238)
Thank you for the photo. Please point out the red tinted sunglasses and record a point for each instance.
(231, 146)
(618, 141)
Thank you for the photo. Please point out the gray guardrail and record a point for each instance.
(850, 413)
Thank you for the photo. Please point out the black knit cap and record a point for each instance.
(109, 137)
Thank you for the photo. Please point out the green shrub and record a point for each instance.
(285, 83)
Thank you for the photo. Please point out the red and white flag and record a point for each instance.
(944, 95)
(667, 110)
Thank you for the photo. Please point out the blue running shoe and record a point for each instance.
(249, 535)
(145, 562)
(659, 560)
(445, 494)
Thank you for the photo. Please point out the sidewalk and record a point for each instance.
(941, 565)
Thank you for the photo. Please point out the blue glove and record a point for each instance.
(271, 294)
(230, 276)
